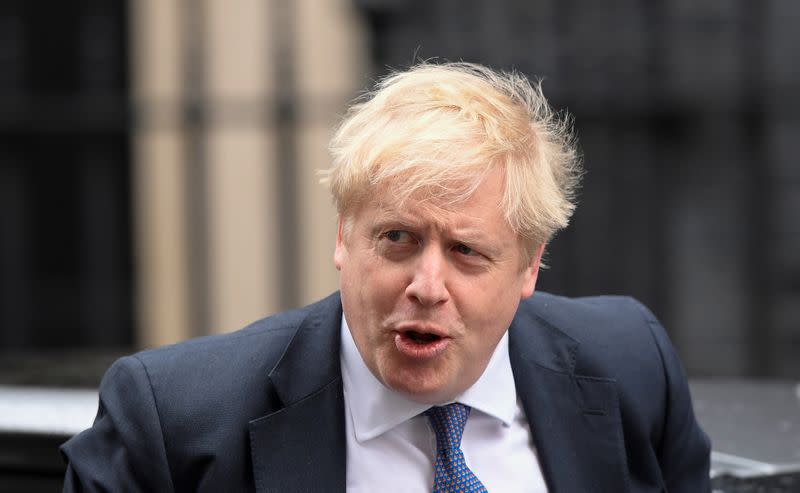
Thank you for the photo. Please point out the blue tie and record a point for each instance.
(452, 473)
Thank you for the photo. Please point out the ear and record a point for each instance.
(340, 252)
(532, 273)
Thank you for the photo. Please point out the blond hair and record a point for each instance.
(435, 130)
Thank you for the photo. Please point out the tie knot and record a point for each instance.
(448, 424)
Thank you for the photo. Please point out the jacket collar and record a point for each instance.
(300, 445)
(575, 420)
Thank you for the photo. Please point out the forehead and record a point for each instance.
(480, 211)
(430, 213)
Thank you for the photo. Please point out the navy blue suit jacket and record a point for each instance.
(262, 409)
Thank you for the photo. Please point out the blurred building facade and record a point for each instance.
(687, 114)
(158, 159)
(235, 102)
(65, 200)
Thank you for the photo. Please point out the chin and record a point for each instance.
(421, 389)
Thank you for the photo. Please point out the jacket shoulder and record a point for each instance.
(617, 337)
(181, 412)
(218, 367)
(607, 325)
(582, 318)
(265, 337)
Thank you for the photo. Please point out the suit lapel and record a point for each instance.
(575, 420)
(300, 446)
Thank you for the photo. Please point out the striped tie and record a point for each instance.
(452, 473)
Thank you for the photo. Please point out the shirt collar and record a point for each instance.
(376, 409)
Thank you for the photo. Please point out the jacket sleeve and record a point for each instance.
(685, 450)
(124, 449)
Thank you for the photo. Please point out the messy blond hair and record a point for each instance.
(435, 131)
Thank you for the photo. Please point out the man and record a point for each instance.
(427, 371)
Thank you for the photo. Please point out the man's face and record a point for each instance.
(428, 299)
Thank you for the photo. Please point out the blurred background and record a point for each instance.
(158, 163)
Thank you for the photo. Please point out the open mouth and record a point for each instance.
(421, 337)
(421, 343)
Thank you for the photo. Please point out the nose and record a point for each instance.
(428, 286)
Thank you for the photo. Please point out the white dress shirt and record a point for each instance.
(391, 447)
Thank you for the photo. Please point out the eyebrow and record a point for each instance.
(473, 236)
(469, 235)
(391, 215)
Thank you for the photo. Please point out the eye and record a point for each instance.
(396, 244)
(465, 250)
(395, 235)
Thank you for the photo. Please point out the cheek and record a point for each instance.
(384, 290)
(377, 271)
(488, 307)
(374, 286)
